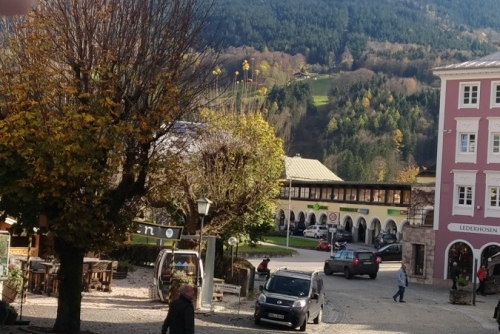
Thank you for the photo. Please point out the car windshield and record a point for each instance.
(288, 286)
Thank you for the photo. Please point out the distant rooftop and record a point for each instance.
(490, 61)
(301, 169)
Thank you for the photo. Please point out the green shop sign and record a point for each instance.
(395, 212)
(362, 211)
(316, 206)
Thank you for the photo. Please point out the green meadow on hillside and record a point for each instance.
(319, 89)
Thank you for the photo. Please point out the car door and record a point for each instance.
(323, 232)
(391, 253)
(337, 262)
(314, 305)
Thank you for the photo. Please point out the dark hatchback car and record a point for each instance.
(384, 239)
(391, 252)
(290, 298)
(343, 235)
(298, 229)
(352, 262)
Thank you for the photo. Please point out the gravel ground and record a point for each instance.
(128, 309)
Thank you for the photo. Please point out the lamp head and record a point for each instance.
(203, 206)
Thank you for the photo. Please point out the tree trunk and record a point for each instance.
(69, 300)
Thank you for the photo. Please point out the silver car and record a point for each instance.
(316, 231)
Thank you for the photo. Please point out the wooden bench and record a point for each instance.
(100, 276)
(217, 295)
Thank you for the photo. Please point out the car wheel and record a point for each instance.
(316, 236)
(373, 276)
(317, 320)
(327, 270)
(347, 273)
(303, 327)
(257, 321)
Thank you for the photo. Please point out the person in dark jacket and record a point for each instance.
(262, 268)
(454, 273)
(180, 317)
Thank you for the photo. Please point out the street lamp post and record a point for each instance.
(334, 239)
(203, 207)
(289, 213)
(232, 242)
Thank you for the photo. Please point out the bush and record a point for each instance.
(223, 268)
(137, 254)
(125, 266)
(15, 278)
(462, 281)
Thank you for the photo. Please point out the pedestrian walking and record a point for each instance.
(481, 276)
(180, 317)
(454, 273)
(402, 278)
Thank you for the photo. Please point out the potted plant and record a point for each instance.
(123, 268)
(13, 285)
(180, 278)
(461, 296)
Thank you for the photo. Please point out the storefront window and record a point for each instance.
(462, 255)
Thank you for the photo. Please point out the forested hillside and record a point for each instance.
(383, 99)
(324, 30)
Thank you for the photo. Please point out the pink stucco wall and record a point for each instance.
(444, 237)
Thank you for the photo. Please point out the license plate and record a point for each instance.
(276, 316)
(368, 263)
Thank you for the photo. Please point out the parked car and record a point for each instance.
(316, 231)
(352, 262)
(297, 229)
(392, 252)
(290, 298)
(384, 239)
(343, 235)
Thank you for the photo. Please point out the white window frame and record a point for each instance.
(470, 143)
(465, 195)
(493, 130)
(495, 88)
(466, 180)
(492, 181)
(466, 126)
(496, 200)
(495, 143)
(464, 86)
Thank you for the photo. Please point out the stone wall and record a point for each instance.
(414, 235)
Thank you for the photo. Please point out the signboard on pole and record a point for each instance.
(333, 217)
(159, 231)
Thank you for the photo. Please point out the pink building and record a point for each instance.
(467, 203)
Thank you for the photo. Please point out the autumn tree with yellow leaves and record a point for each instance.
(89, 91)
(237, 162)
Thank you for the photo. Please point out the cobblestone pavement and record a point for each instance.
(359, 305)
